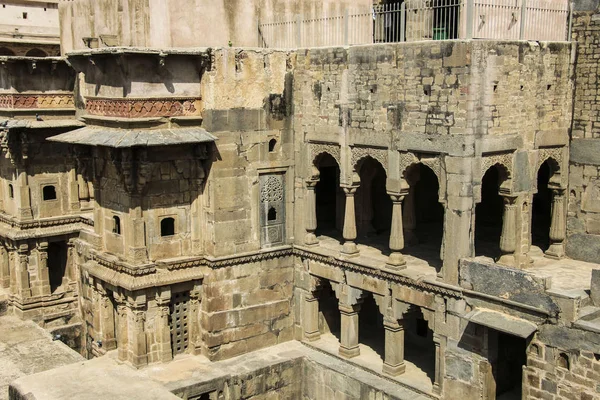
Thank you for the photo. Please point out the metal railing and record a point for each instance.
(413, 20)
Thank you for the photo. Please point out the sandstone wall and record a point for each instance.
(247, 307)
(584, 175)
(192, 23)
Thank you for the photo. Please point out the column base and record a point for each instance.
(507, 259)
(556, 251)
(349, 352)
(310, 239)
(349, 249)
(394, 370)
(312, 336)
(396, 261)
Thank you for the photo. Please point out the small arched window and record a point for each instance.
(563, 361)
(116, 225)
(11, 191)
(5, 51)
(49, 193)
(36, 53)
(272, 214)
(272, 144)
(167, 227)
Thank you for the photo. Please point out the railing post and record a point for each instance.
(523, 16)
(298, 30)
(403, 22)
(346, 27)
(470, 6)
(570, 21)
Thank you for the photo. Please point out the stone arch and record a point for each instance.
(502, 161)
(35, 52)
(359, 154)
(5, 51)
(554, 167)
(316, 150)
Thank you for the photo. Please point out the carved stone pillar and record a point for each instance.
(138, 351)
(23, 283)
(136, 236)
(557, 225)
(73, 190)
(508, 239)
(4, 267)
(43, 272)
(409, 217)
(311, 213)
(195, 333)
(311, 317)
(107, 321)
(396, 259)
(122, 329)
(163, 331)
(349, 330)
(439, 363)
(349, 248)
(24, 205)
(394, 347)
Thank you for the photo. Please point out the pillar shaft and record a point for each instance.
(394, 347)
(396, 259)
(311, 213)
(43, 271)
(311, 318)
(4, 268)
(349, 233)
(557, 225)
(163, 331)
(122, 332)
(107, 322)
(349, 331)
(508, 239)
(439, 364)
(24, 198)
(195, 337)
(137, 345)
(23, 282)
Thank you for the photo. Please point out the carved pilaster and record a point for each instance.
(43, 271)
(23, 282)
(195, 334)
(161, 325)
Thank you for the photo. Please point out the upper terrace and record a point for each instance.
(418, 20)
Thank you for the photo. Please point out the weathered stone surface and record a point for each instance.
(506, 283)
(585, 151)
(584, 247)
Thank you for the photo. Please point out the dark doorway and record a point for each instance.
(508, 368)
(371, 332)
(328, 195)
(541, 214)
(488, 215)
(426, 240)
(373, 205)
(57, 264)
(329, 312)
(419, 348)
